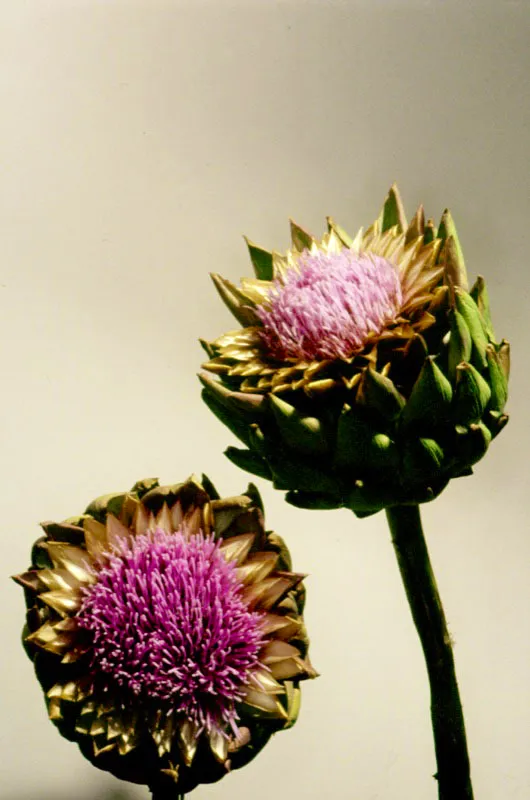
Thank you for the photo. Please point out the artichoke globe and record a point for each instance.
(165, 627)
(366, 374)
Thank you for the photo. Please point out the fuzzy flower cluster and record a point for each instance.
(327, 307)
(167, 620)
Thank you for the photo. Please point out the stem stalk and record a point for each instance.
(454, 781)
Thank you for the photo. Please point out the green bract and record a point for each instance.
(418, 405)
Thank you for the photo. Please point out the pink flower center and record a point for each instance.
(327, 307)
(168, 623)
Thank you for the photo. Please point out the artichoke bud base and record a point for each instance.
(391, 425)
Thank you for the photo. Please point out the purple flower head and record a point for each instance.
(328, 305)
(167, 621)
(171, 632)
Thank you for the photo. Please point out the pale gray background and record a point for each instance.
(139, 140)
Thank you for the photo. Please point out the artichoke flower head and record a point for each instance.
(165, 626)
(365, 374)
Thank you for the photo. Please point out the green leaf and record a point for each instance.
(430, 232)
(143, 486)
(235, 300)
(393, 212)
(261, 261)
(472, 444)
(384, 450)
(430, 398)
(106, 504)
(249, 461)
(259, 736)
(339, 232)
(416, 226)
(353, 435)
(467, 307)
(312, 501)
(293, 698)
(249, 404)
(290, 473)
(257, 440)
(495, 422)
(364, 514)
(207, 347)
(70, 531)
(277, 543)
(364, 500)
(497, 378)
(479, 293)
(233, 420)
(503, 355)
(209, 487)
(453, 250)
(253, 492)
(378, 392)
(425, 491)
(302, 433)
(359, 446)
(423, 459)
(301, 239)
(39, 554)
(459, 341)
(472, 395)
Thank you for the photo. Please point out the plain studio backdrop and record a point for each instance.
(139, 141)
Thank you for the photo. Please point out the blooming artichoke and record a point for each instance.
(365, 373)
(165, 626)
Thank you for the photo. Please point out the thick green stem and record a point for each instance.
(454, 782)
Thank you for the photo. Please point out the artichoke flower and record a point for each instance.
(165, 627)
(365, 374)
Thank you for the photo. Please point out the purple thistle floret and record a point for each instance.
(168, 623)
(327, 306)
